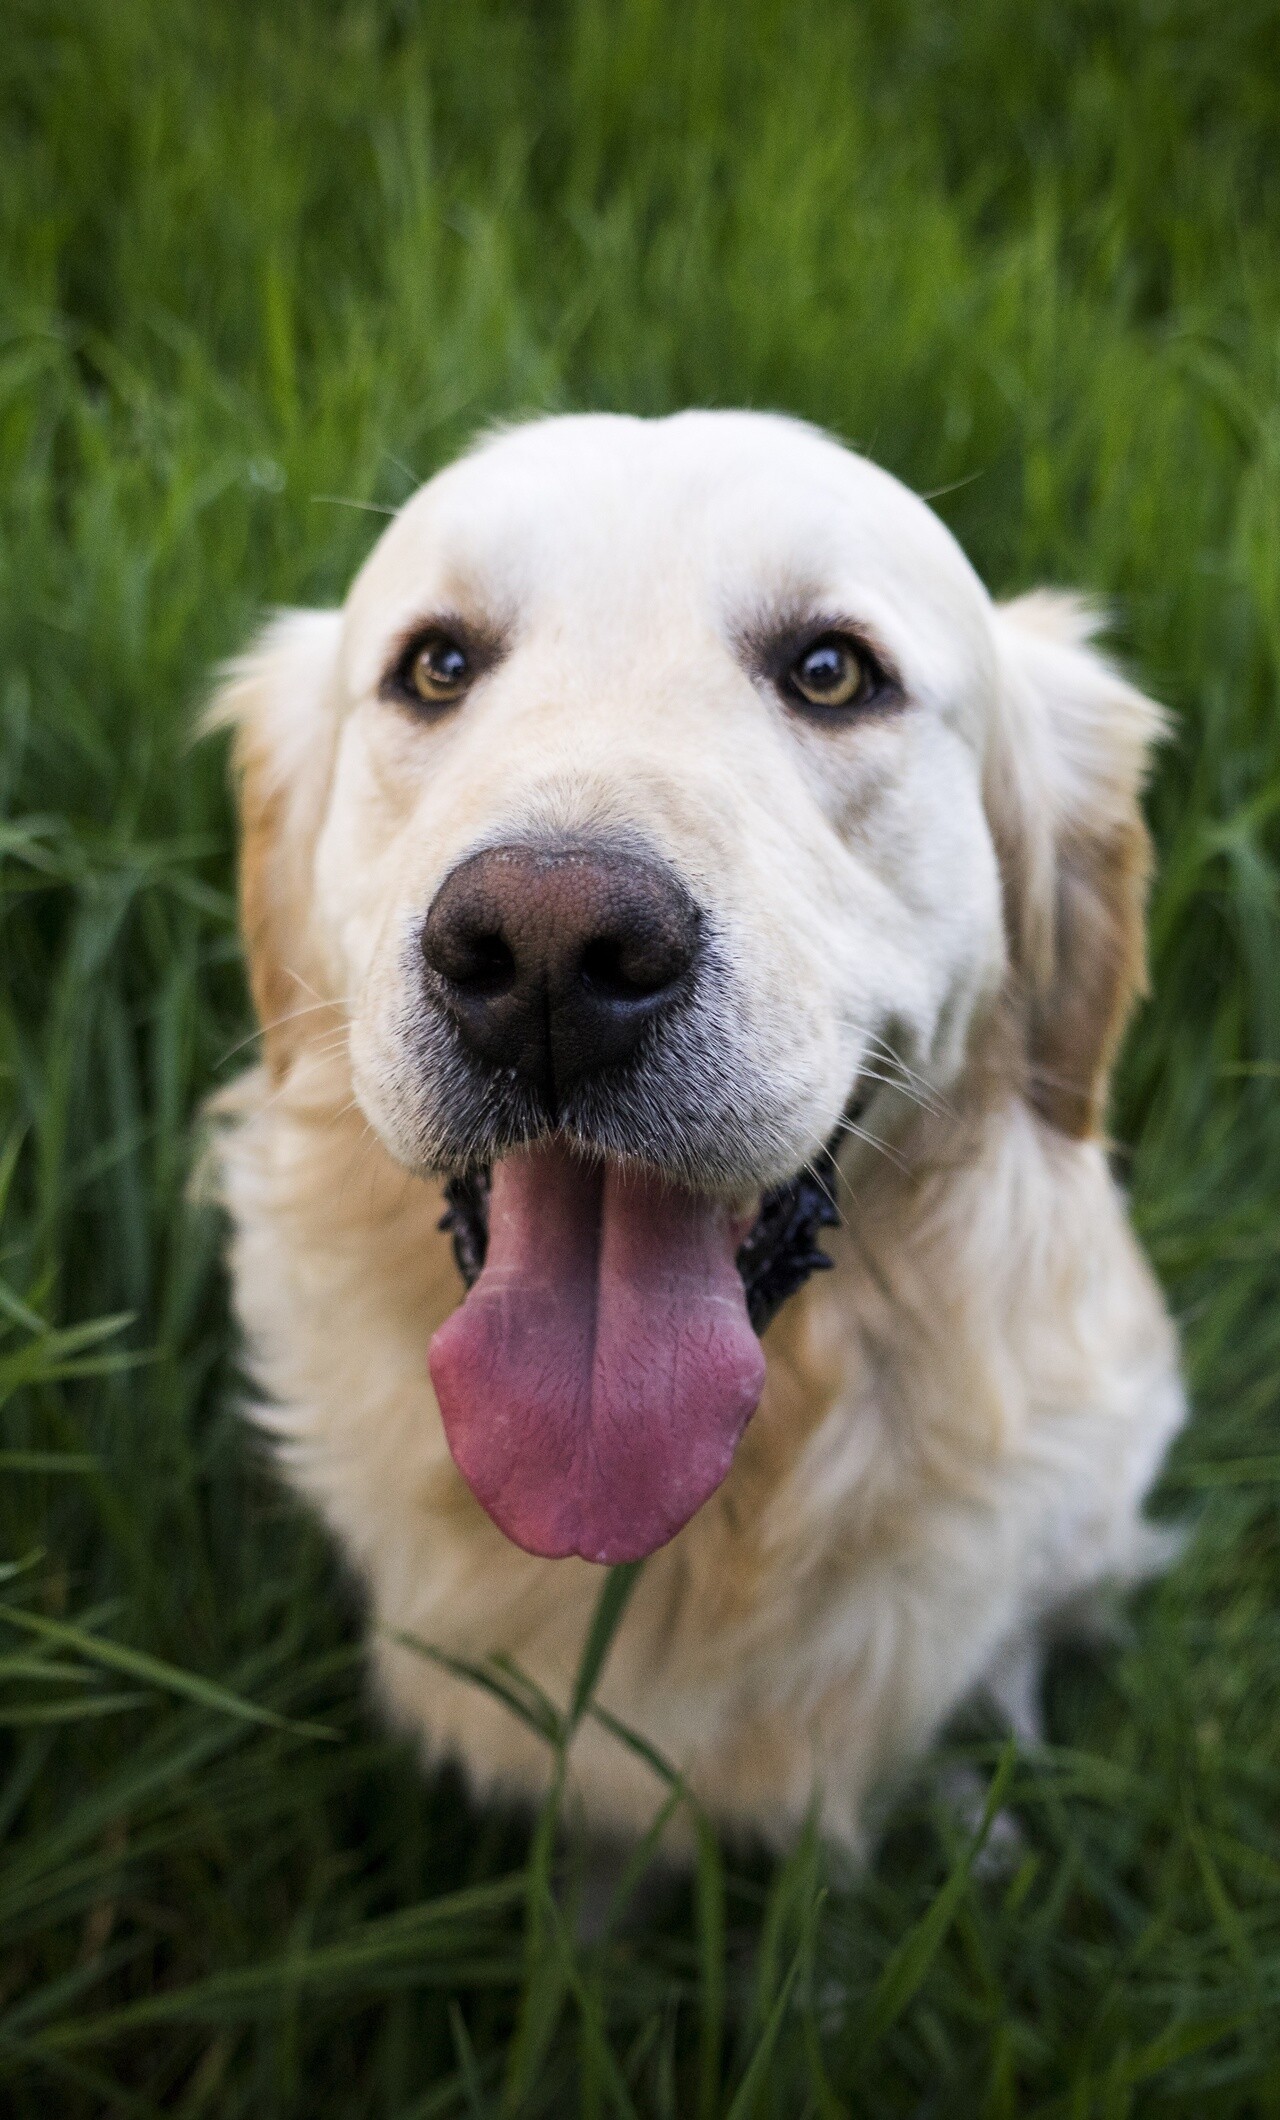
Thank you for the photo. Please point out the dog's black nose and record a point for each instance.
(553, 959)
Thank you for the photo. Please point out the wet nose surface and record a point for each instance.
(554, 959)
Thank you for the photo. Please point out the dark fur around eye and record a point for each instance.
(450, 644)
(878, 689)
(773, 644)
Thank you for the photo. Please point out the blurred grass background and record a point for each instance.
(264, 268)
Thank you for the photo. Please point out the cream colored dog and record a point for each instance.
(668, 804)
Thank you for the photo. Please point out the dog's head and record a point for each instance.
(667, 797)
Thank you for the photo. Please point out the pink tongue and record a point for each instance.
(596, 1380)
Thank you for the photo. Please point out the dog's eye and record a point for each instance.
(833, 671)
(435, 668)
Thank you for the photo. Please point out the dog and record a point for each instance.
(668, 875)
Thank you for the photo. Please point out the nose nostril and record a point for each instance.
(491, 965)
(600, 969)
(475, 962)
(616, 968)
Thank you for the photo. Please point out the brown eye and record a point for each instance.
(437, 670)
(831, 672)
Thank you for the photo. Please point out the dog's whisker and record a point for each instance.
(928, 1095)
(862, 1133)
(921, 1099)
(343, 1001)
(1050, 1080)
(264, 1030)
(902, 1077)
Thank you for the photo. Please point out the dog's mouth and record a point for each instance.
(597, 1379)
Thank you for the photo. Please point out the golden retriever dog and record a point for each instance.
(669, 874)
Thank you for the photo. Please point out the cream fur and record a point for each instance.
(961, 1421)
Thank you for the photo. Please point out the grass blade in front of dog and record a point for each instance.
(544, 1955)
(550, 1968)
(499, 1675)
(549, 1963)
(795, 1903)
(708, 1886)
(641, 1858)
(746, 2097)
(605, 1621)
(911, 1960)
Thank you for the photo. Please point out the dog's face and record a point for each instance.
(632, 610)
(662, 802)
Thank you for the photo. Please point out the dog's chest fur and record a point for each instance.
(958, 1428)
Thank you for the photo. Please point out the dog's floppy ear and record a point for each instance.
(279, 699)
(1064, 782)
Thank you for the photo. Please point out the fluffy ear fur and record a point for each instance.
(1064, 780)
(279, 700)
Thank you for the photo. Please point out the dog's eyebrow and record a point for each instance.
(783, 609)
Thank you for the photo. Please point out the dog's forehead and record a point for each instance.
(707, 518)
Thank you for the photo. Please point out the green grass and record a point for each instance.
(264, 262)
